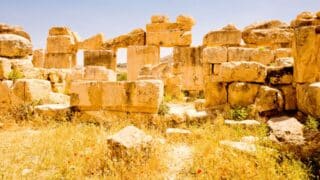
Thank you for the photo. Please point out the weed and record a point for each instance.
(239, 113)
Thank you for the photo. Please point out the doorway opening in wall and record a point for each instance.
(122, 64)
(166, 54)
(80, 59)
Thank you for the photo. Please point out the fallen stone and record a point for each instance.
(269, 99)
(17, 30)
(243, 122)
(242, 94)
(14, 46)
(241, 146)
(287, 129)
(52, 109)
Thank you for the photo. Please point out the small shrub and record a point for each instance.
(122, 76)
(163, 109)
(311, 123)
(239, 113)
(24, 112)
(167, 98)
(15, 74)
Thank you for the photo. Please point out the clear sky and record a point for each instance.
(115, 17)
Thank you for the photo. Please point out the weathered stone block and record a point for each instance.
(289, 96)
(6, 93)
(159, 19)
(215, 94)
(14, 46)
(92, 43)
(59, 31)
(306, 49)
(99, 73)
(280, 74)
(17, 30)
(169, 38)
(261, 55)
(38, 58)
(166, 27)
(60, 60)
(61, 44)
(134, 38)
(308, 98)
(106, 58)
(240, 53)
(240, 71)
(29, 90)
(282, 53)
(138, 56)
(269, 99)
(227, 36)
(242, 94)
(5, 68)
(139, 96)
(215, 55)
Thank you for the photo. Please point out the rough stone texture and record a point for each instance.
(53, 110)
(134, 38)
(215, 93)
(240, 71)
(128, 138)
(59, 31)
(60, 60)
(261, 55)
(138, 56)
(242, 94)
(17, 30)
(14, 46)
(305, 19)
(215, 55)
(308, 98)
(159, 19)
(280, 74)
(92, 43)
(38, 58)
(99, 73)
(61, 44)
(173, 86)
(188, 60)
(6, 93)
(177, 133)
(227, 36)
(287, 129)
(269, 99)
(306, 48)
(169, 38)
(186, 20)
(271, 33)
(57, 98)
(241, 146)
(289, 97)
(264, 56)
(105, 58)
(282, 53)
(5, 68)
(140, 96)
(30, 90)
(243, 122)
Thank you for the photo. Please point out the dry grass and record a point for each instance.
(47, 149)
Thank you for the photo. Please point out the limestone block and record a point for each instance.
(215, 55)
(59, 31)
(60, 60)
(262, 55)
(289, 96)
(162, 27)
(57, 98)
(242, 94)
(169, 38)
(6, 92)
(21, 64)
(215, 94)
(99, 73)
(127, 140)
(30, 90)
(279, 74)
(14, 46)
(282, 53)
(227, 36)
(269, 99)
(306, 48)
(106, 58)
(93, 43)
(38, 57)
(17, 30)
(240, 53)
(173, 86)
(61, 44)
(138, 56)
(5, 68)
(240, 71)
(186, 20)
(139, 96)
(159, 19)
(134, 38)
(53, 110)
(308, 98)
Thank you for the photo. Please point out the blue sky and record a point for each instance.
(115, 17)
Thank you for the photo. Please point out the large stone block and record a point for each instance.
(60, 60)
(17, 30)
(161, 27)
(38, 58)
(5, 68)
(289, 96)
(269, 99)
(159, 19)
(169, 38)
(280, 74)
(240, 71)
(227, 36)
(139, 96)
(30, 90)
(240, 53)
(282, 53)
(134, 38)
(308, 98)
(106, 58)
(306, 50)
(215, 94)
(14, 46)
(138, 56)
(92, 43)
(61, 44)
(99, 73)
(242, 94)
(215, 55)
(59, 31)
(262, 55)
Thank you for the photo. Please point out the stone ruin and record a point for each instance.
(270, 65)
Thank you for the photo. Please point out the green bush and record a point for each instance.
(239, 113)
(122, 76)
(15, 74)
(311, 123)
(163, 109)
